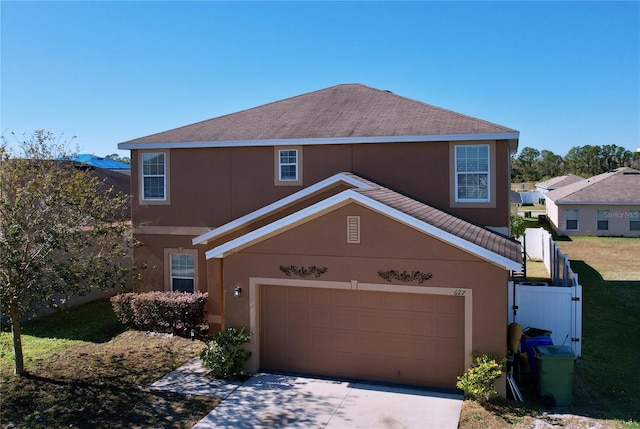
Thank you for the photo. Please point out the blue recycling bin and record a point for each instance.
(526, 346)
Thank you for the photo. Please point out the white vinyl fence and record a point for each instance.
(556, 307)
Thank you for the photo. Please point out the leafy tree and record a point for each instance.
(527, 159)
(116, 157)
(549, 165)
(517, 226)
(63, 232)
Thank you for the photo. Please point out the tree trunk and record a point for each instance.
(17, 343)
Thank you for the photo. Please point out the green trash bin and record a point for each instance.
(555, 373)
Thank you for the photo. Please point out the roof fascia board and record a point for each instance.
(513, 136)
(342, 199)
(597, 203)
(266, 210)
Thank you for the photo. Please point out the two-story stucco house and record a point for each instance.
(357, 233)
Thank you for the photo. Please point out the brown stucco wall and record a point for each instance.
(212, 186)
(385, 245)
(151, 253)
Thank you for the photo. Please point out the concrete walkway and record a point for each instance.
(273, 400)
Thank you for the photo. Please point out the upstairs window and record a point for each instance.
(602, 220)
(183, 277)
(634, 220)
(288, 165)
(572, 220)
(154, 176)
(472, 173)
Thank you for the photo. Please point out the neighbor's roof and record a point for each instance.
(560, 181)
(482, 242)
(99, 162)
(348, 113)
(621, 186)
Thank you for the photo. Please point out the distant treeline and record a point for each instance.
(532, 165)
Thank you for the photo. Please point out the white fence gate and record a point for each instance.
(556, 307)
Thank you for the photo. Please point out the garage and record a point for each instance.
(409, 338)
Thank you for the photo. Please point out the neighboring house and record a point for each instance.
(558, 182)
(101, 163)
(605, 205)
(352, 230)
(515, 201)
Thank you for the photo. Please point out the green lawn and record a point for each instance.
(84, 371)
(609, 271)
(607, 378)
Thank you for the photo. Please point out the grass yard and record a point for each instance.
(606, 389)
(83, 371)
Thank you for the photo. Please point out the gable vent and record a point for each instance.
(353, 229)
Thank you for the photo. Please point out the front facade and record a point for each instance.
(316, 222)
(604, 205)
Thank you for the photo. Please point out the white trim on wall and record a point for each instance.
(320, 141)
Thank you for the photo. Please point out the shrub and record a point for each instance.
(477, 381)
(177, 313)
(225, 355)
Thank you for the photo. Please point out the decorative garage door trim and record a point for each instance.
(254, 306)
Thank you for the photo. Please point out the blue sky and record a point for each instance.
(562, 73)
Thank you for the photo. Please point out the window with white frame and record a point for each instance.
(572, 219)
(634, 220)
(602, 219)
(472, 173)
(154, 176)
(288, 164)
(182, 275)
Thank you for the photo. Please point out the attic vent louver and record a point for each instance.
(353, 229)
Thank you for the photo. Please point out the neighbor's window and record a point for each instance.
(183, 276)
(472, 173)
(634, 220)
(603, 220)
(572, 220)
(288, 164)
(154, 176)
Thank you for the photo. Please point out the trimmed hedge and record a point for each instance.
(169, 312)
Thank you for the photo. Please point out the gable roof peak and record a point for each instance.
(344, 113)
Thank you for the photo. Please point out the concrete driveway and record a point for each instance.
(285, 401)
(277, 401)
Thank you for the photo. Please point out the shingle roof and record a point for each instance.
(619, 186)
(488, 239)
(342, 111)
(560, 181)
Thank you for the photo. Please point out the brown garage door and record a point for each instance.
(381, 336)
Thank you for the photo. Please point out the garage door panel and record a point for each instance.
(394, 301)
(369, 320)
(323, 340)
(449, 328)
(422, 303)
(394, 323)
(320, 297)
(344, 319)
(371, 300)
(297, 295)
(448, 305)
(320, 316)
(344, 298)
(423, 326)
(379, 336)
